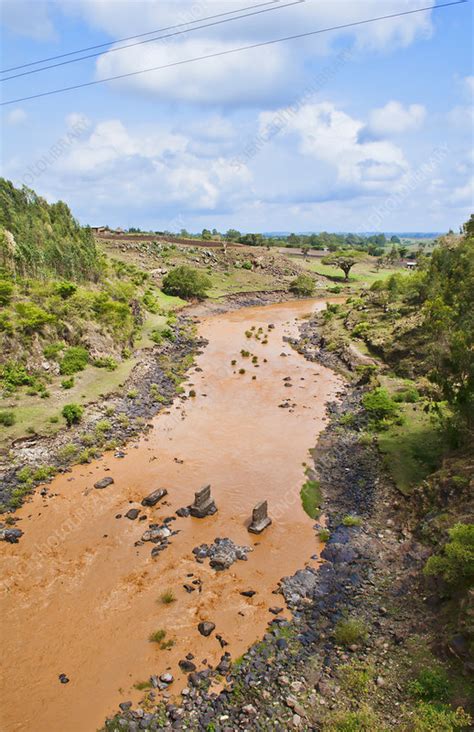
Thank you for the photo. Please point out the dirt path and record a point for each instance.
(82, 599)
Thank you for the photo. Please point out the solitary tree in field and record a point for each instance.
(303, 285)
(186, 282)
(344, 259)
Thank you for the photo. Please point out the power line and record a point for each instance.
(231, 50)
(150, 40)
(131, 38)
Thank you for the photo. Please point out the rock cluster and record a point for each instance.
(10, 535)
(222, 553)
(158, 534)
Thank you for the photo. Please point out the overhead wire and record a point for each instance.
(130, 38)
(231, 51)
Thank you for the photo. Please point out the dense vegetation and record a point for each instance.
(40, 239)
(422, 324)
(421, 412)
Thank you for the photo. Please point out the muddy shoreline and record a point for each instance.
(371, 572)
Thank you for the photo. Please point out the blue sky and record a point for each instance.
(368, 128)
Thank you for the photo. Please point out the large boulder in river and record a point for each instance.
(152, 498)
(103, 483)
(206, 628)
(132, 513)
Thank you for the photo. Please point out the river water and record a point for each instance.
(81, 599)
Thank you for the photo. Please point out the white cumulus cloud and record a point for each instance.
(395, 118)
(331, 136)
(234, 79)
(464, 194)
(146, 165)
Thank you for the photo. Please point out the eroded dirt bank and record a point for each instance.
(81, 598)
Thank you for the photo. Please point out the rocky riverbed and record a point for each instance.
(126, 596)
(299, 675)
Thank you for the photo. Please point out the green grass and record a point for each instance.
(168, 302)
(32, 411)
(311, 498)
(349, 631)
(142, 685)
(153, 322)
(412, 450)
(167, 597)
(157, 637)
(363, 273)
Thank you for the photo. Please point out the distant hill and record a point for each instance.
(388, 234)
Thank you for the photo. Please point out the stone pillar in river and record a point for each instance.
(260, 519)
(203, 503)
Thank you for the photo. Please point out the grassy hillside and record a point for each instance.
(71, 319)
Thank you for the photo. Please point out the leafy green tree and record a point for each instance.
(75, 359)
(206, 235)
(186, 282)
(449, 320)
(232, 235)
(252, 240)
(66, 289)
(456, 564)
(379, 405)
(344, 259)
(303, 285)
(40, 239)
(72, 413)
(468, 227)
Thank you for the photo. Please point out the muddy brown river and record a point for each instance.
(80, 598)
